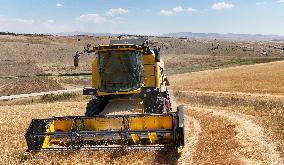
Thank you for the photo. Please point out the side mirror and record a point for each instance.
(157, 55)
(76, 59)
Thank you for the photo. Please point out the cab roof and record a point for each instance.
(138, 41)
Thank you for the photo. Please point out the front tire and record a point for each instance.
(154, 104)
(95, 106)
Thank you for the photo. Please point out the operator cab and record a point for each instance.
(120, 70)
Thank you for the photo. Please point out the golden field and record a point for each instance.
(256, 91)
(259, 78)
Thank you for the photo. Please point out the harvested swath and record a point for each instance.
(121, 107)
(130, 106)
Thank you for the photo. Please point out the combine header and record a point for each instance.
(137, 131)
(127, 69)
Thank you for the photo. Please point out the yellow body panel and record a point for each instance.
(149, 71)
(150, 123)
(102, 124)
(95, 74)
(60, 126)
(95, 124)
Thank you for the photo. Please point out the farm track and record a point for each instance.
(184, 91)
(245, 94)
(247, 143)
(193, 130)
(39, 94)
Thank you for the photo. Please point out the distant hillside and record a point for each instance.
(191, 35)
(228, 36)
(84, 34)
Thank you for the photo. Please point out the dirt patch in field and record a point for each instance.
(18, 68)
(29, 85)
(50, 53)
(3, 82)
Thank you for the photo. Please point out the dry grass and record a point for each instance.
(259, 102)
(51, 98)
(255, 142)
(260, 78)
(186, 63)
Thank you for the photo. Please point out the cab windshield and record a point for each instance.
(120, 70)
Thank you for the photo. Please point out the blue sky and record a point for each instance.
(143, 17)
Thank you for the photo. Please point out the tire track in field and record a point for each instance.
(192, 129)
(244, 94)
(255, 147)
(11, 97)
(217, 143)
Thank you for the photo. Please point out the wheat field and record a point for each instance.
(259, 78)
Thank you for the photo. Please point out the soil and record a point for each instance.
(29, 85)
(11, 68)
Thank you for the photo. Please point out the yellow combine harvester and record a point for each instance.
(127, 69)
